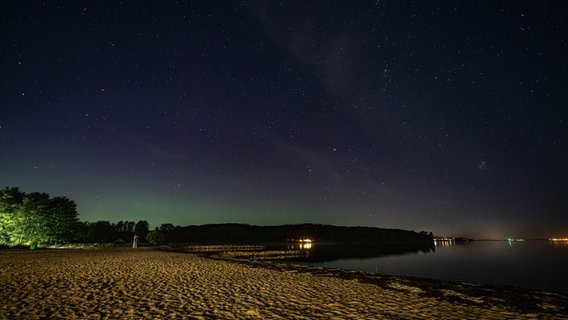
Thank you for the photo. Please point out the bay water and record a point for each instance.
(541, 265)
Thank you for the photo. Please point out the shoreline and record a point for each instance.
(524, 299)
(142, 283)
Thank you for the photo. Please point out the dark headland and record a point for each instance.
(233, 232)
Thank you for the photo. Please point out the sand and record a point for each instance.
(146, 283)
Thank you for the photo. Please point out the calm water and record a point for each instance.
(530, 264)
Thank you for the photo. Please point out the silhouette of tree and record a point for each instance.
(100, 231)
(141, 229)
(166, 227)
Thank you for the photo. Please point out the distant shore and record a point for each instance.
(146, 283)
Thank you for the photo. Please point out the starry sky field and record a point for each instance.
(443, 116)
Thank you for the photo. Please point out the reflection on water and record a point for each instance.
(444, 242)
(530, 264)
(449, 241)
(319, 252)
(559, 241)
(303, 245)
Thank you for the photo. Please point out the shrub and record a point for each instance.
(156, 238)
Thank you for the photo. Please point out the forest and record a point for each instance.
(37, 219)
(32, 219)
(243, 233)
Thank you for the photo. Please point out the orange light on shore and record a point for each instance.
(305, 244)
(559, 241)
(302, 244)
(444, 241)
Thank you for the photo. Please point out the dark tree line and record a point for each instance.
(108, 232)
(243, 233)
(122, 231)
(37, 218)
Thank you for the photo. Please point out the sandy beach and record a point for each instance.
(147, 283)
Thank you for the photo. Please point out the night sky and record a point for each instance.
(443, 116)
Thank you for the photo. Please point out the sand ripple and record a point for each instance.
(150, 284)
